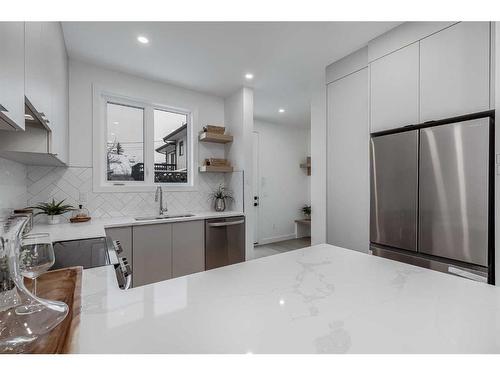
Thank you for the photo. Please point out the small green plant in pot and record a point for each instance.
(306, 210)
(53, 210)
(219, 197)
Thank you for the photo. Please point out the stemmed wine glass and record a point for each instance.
(35, 258)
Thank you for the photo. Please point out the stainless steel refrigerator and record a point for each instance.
(432, 195)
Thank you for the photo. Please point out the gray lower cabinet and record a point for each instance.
(152, 246)
(160, 252)
(188, 248)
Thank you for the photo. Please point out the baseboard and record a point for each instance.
(285, 237)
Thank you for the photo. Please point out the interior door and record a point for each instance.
(454, 191)
(256, 187)
(394, 188)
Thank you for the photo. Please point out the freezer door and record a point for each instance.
(394, 187)
(454, 191)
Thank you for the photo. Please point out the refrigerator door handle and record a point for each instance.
(226, 223)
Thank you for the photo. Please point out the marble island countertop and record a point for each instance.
(321, 299)
(96, 227)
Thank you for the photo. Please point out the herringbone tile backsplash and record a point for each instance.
(75, 184)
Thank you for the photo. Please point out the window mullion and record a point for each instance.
(149, 144)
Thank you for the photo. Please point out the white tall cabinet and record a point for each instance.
(394, 89)
(348, 162)
(455, 71)
(12, 75)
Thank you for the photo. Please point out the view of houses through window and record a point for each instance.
(125, 144)
(170, 135)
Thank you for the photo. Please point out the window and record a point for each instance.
(143, 144)
(170, 133)
(125, 143)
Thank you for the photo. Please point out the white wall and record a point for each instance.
(318, 166)
(206, 108)
(284, 186)
(238, 112)
(12, 186)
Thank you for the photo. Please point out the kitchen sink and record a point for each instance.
(164, 217)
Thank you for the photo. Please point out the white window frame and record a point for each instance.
(101, 98)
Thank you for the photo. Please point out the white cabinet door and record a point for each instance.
(394, 89)
(37, 67)
(59, 92)
(12, 75)
(454, 71)
(348, 162)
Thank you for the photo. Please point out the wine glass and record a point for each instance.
(36, 257)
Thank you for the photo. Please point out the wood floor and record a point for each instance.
(281, 247)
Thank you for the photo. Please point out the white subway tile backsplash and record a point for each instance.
(12, 186)
(45, 183)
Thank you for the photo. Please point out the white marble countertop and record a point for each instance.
(95, 227)
(321, 299)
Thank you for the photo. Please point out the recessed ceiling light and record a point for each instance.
(281, 110)
(142, 39)
(115, 122)
(249, 76)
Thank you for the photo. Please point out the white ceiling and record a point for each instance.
(286, 58)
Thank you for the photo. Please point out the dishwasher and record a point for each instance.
(224, 241)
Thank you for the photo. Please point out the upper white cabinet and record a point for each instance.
(34, 71)
(37, 67)
(454, 71)
(394, 89)
(12, 75)
(58, 74)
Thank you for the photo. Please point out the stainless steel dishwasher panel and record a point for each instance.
(224, 241)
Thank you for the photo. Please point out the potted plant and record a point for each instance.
(219, 196)
(53, 210)
(306, 210)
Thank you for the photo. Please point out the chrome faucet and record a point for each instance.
(159, 196)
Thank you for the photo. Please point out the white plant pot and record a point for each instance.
(53, 219)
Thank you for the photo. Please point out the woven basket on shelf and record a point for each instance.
(214, 129)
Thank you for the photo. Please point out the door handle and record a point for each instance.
(226, 223)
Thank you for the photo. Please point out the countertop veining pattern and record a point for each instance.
(320, 299)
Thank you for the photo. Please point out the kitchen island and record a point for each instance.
(320, 299)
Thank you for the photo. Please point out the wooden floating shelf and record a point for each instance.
(213, 168)
(215, 138)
